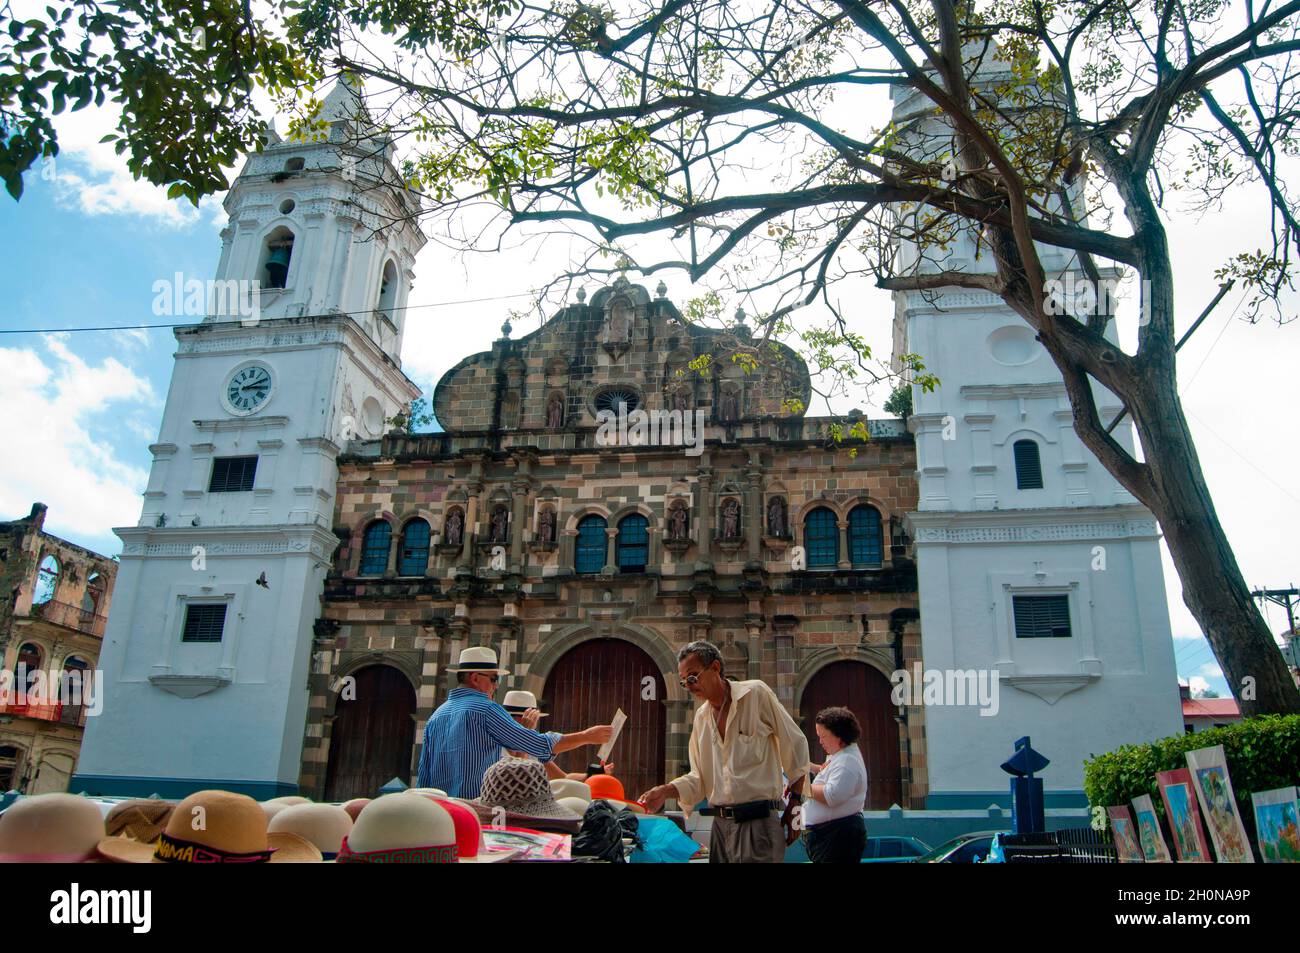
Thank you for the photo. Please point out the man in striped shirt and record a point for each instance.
(466, 733)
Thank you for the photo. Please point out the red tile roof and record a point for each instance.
(1210, 708)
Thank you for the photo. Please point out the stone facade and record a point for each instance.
(52, 619)
(505, 490)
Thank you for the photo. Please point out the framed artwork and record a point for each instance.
(1277, 822)
(1150, 839)
(1213, 787)
(1184, 816)
(1126, 842)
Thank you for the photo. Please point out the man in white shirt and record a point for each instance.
(741, 742)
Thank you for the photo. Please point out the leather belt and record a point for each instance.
(728, 810)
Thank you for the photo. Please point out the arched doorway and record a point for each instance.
(865, 692)
(587, 685)
(373, 732)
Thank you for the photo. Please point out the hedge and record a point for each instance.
(1262, 753)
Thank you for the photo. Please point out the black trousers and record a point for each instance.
(840, 841)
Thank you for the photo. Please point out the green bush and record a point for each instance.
(1262, 753)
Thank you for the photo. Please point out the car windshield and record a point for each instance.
(944, 848)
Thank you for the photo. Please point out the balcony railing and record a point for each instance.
(63, 714)
(74, 617)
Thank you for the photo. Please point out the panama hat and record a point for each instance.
(141, 819)
(517, 702)
(398, 829)
(354, 806)
(214, 827)
(518, 786)
(50, 829)
(324, 825)
(288, 800)
(606, 787)
(575, 804)
(470, 848)
(432, 792)
(568, 787)
(478, 659)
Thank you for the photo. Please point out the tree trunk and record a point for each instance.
(1213, 588)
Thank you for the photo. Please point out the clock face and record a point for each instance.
(248, 389)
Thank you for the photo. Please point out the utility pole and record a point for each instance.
(1288, 599)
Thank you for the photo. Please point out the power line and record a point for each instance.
(1243, 458)
(189, 324)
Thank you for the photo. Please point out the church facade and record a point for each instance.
(604, 490)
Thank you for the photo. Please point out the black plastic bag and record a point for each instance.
(603, 830)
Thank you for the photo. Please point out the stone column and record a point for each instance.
(704, 519)
(754, 512)
(845, 562)
(611, 537)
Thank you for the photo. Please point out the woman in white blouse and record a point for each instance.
(835, 831)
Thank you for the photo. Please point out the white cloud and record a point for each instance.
(1199, 686)
(1210, 670)
(55, 406)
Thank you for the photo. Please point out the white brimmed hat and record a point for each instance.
(478, 659)
(517, 702)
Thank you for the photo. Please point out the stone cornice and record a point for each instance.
(1003, 391)
(1054, 524)
(179, 542)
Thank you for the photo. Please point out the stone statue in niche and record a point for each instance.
(546, 526)
(453, 528)
(677, 523)
(731, 520)
(500, 521)
(776, 525)
(555, 412)
(730, 405)
(682, 400)
(617, 334)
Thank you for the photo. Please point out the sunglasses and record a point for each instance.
(691, 679)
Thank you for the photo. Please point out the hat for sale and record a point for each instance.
(518, 786)
(354, 806)
(214, 827)
(518, 702)
(142, 819)
(568, 787)
(478, 659)
(400, 829)
(50, 829)
(470, 848)
(324, 825)
(606, 787)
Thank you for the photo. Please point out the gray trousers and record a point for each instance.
(748, 842)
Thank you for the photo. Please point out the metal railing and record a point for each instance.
(74, 617)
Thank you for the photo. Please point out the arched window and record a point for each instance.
(374, 548)
(866, 540)
(72, 690)
(821, 539)
(589, 555)
(415, 549)
(28, 664)
(276, 255)
(633, 549)
(93, 594)
(1029, 468)
(47, 580)
(388, 291)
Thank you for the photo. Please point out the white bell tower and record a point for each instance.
(1033, 562)
(208, 645)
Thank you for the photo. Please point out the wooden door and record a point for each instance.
(865, 692)
(587, 685)
(372, 736)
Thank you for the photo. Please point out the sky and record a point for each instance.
(86, 243)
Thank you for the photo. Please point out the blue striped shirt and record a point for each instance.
(465, 736)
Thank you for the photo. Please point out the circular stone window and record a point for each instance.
(372, 416)
(612, 398)
(287, 206)
(1013, 345)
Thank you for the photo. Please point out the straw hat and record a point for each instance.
(288, 800)
(517, 702)
(470, 848)
(50, 829)
(478, 659)
(567, 787)
(431, 792)
(324, 825)
(398, 829)
(606, 787)
(519, 786)
(354, 806)
(142, 819)
(575, 804)
(214, 827)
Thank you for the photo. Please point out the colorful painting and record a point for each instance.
(1184, 816)
(1121, 828)
(1149, 836)
(1277, 821)
(1214, 791)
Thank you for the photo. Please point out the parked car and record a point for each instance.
(879, 850)
(964, 849)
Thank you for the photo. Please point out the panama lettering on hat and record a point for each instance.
(478, 659)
